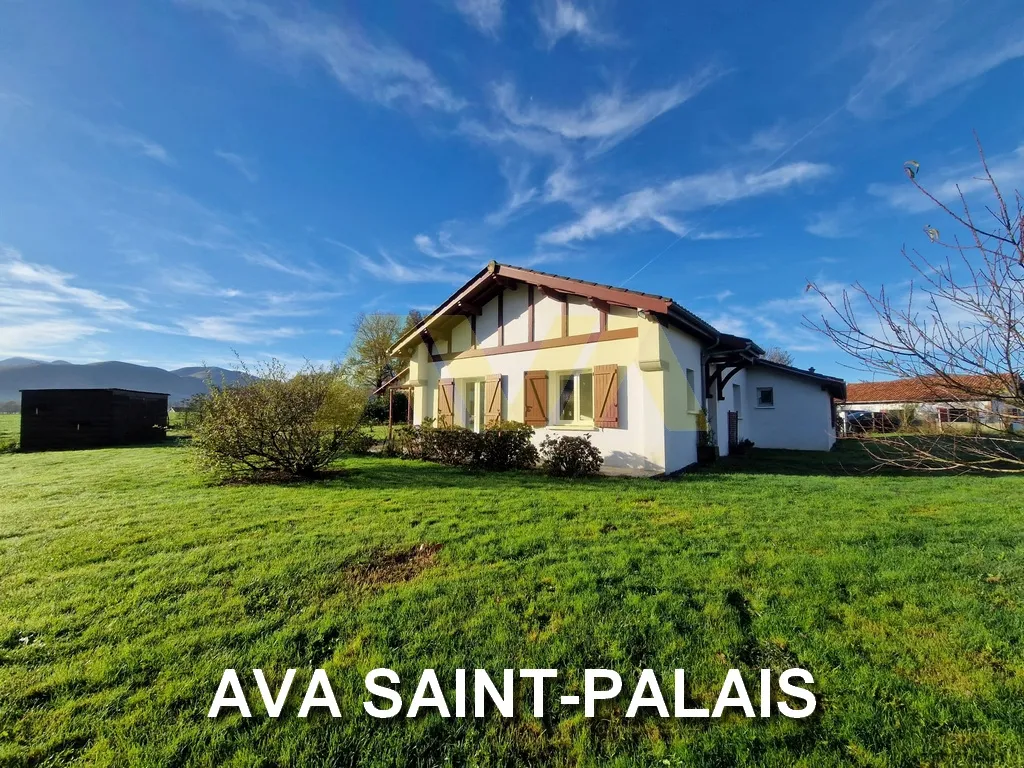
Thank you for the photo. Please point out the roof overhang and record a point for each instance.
(832, 385)
(486, 284)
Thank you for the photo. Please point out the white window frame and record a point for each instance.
(692, 397)
(479, 392)
(758, 403)
(556, 405)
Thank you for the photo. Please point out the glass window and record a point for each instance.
(586, 396)
(567, 397)
(691, 390)
(765, 397)
(737, 400)
(575, 404)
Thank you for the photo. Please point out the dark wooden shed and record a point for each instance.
(59, 419)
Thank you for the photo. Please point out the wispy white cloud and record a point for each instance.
(724, 234)
(373, 68)
(14, 270)
(260, 259)
(659, 205)
(123, 138)
(1007, 170)
(485, 15)
(520, 192)
(921, 49)
(560, 18)
(391, 270)
(183, 278)
(603, 119)
(34, 336)
(235, 329)
(41, 308)
(828, 224)
(443, 248)
(243, 165)
(774, 138)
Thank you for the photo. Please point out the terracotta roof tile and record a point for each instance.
(923, 389)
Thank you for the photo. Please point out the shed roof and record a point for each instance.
(95, 389)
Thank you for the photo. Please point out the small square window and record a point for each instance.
(765, 397)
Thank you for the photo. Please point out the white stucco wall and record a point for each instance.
(680, 352)
(547, 316)
(801, 418)
(637, 443)
(516, 314)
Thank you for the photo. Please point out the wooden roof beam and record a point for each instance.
(551, 293)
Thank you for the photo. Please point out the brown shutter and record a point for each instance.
(445, 402)
(606, 396)
(492, 399)
(535, 408)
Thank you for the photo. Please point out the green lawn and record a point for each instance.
(135, 585)
(10, 429)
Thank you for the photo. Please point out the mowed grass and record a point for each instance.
(135, 584)
(10, 429)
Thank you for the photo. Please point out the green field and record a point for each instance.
(10, 428)
(128, 585)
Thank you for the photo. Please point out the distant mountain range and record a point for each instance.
(17, 373)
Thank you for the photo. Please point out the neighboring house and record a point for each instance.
(635, 371)
(978, 399)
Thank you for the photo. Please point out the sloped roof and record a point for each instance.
(390, 382)
(486, 283)
(834, 386)
(926, 389)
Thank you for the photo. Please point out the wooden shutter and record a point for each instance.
(492, 399)
(606, 396)
(535, 403)
(445, 402)
(943, 415)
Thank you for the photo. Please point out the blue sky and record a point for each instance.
(184, 178)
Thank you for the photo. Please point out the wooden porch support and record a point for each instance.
(717, 381)
(409, 393)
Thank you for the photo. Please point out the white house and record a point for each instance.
(637, 372)
(963, 399)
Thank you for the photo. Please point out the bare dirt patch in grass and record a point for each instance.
(394, 567)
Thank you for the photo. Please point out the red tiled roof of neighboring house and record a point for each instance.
(926, 389)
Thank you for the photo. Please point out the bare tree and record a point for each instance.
(958, 330)
(778, 355)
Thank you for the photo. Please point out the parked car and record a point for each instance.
(859, 422)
